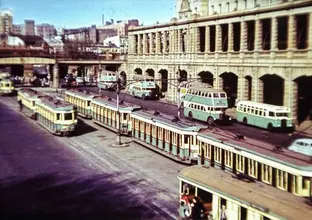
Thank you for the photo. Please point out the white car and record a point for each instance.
(79, 81)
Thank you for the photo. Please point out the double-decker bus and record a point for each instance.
(185, 86)
(107, 80)
(144, 87)
(264, 115)
(205, 104)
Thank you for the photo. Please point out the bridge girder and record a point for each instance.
(26, 60)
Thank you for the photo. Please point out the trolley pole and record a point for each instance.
(118, 140)
(179, 101)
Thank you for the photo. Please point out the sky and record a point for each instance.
(83, 13)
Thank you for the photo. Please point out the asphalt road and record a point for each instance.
(276, 138)
(43, 175)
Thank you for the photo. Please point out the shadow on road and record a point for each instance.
(53, 196)
(83, 128)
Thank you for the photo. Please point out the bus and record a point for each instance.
(107, 80)
(205, 104)
(144, 87)
(264, 115)
(185, 86)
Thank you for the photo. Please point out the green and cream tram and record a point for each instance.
(82, 100)
(6, 87)
(27, 99)
(58, 117)
(224, 195)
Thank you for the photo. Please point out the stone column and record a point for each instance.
(56, 76)
(144, 44)
(291, 95)
(188, 41)
(151, 44)
(241, 87)
(132, 44)
(243, 36)
(164, 41)
(310, 35)
(139, 46)
(158, 42)
(257, 89)
(231, 37)
(207, 39)
(171, 41)
(218, 38)
(258, 35)
(196, 39)
(179, 40)
(274, 34)
(292, 38)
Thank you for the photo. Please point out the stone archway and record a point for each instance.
(138, 71)
(150, 72)
(123, 77)
(182, 75)
(304, 98)
(248, 88)
(230, 86)
(206, 77)
(164, 80)
(273, 89)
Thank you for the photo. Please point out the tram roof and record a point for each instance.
(31, 93)
(258, 147)
(55, 103)
(254, 194)
(183, 124)
(104, 100)
(264, 105)
(81, 93)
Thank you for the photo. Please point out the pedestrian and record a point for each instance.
(223, 213)
(183, 210)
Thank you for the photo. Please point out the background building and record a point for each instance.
(256, 50)
(29, 27)
(6, 21)
(45, 30)
(17, 29)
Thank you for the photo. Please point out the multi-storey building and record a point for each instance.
(254, 50)
(45, 30)
(6, 25)
(17, 29)
(29, 27)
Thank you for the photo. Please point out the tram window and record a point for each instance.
(33, 103)
(186, 139)
(89, 102)
(58, 116)
(68, 116)
(271, 114)
(125, 116)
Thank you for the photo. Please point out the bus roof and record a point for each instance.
(81, 93)
(264, 105)
(197, 84)
(258, 148)
(142, 77)
(206, 89)
(254, 194)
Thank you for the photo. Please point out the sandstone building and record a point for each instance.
(258, 50)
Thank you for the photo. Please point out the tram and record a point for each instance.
(219, 194)
(27, 99)
(57, 116)
(6, 87)
(82, 100)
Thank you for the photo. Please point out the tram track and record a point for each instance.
(150, 189)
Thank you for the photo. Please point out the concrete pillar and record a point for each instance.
(139, 46)
(253, 215)
(230, 37)
(233, 210)
(151, 43)
(291, 96)
(274, 34)
(56, 76)
(218, 38)
(158, 42)
(243, 36)
(216, 206)
(207, 39)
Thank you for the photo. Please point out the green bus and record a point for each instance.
(144, 87)
(264, 115)
(205, 104)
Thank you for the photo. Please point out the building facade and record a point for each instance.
(255, 50)
(45, 30)
(6, 21)
(29, 27)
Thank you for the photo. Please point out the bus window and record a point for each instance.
(209, 95)
(271, 114)
(222, 95)
(281, 114)
(215, 95)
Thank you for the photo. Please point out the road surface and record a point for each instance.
(42, 174)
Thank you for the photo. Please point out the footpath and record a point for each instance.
(305, 127)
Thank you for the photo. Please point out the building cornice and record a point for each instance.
(255, 11)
